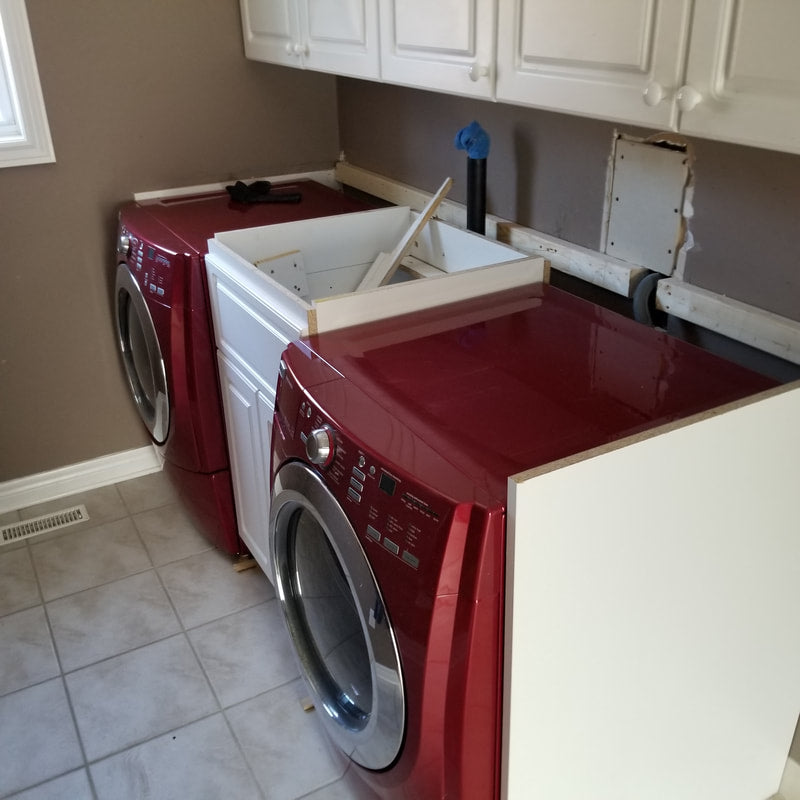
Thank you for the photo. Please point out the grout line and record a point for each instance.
(62, 674)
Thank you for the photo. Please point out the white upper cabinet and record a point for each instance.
(619, 59)
(743, 73)
(447, 45)
(339, 36)
(721, 69)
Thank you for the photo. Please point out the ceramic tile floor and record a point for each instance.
(135, 662)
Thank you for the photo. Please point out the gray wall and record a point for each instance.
(140, 95)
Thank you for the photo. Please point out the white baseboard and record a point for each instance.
(790, 785)
(81, 477)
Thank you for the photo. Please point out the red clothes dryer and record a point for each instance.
(392, 446)
(164, 332)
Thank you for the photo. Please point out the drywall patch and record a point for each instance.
(646, 207)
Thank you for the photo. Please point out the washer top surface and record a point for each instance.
(196, 218)
(520, 379)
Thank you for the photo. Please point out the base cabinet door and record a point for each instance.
(245, 408)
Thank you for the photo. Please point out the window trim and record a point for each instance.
(32, 143)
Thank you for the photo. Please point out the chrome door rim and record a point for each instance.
(378, 742)
(155, 415)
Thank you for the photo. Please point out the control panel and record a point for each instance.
(150, 266)
(387, 509)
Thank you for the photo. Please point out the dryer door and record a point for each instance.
(141, 354)
(336, 618)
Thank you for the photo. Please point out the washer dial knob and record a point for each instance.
(320, 446)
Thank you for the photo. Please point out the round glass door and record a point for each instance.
(141, 355)
(336, 618)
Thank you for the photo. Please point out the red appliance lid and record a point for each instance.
(196, 218)
(515, 381)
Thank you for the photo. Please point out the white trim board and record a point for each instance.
(84, 476)
(753, 326)
(321, 176)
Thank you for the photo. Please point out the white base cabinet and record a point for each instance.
(268, 286)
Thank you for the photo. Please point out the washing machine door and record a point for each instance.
(336, 618)
(141, 355)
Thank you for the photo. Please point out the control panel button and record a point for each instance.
(373, 533)
(410, 559)
(391, 546)
(353, 494)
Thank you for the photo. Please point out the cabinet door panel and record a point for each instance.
(340, 36)
(240, 400)
(621, 59)
(270, 31)
(450, 30)
(744, 65)
(447, 45)
(575, 34)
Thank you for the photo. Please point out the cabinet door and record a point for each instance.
(447, 45)
(240, 400)
(270, 29)
(340, 36)
(743, 73)
(620, 59)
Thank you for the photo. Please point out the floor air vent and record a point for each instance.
(45, 524)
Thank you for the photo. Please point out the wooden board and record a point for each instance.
(652, 644)
(386, 264)
(745, 323)
(385, 301)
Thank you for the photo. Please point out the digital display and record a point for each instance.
(387, 484)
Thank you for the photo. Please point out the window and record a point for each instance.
(24, 133)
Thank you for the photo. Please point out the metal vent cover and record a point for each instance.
(38, 525)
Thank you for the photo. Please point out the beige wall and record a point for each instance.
(140, 95)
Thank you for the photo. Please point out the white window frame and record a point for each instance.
(24, 132)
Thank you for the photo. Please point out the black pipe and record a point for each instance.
(476, 195)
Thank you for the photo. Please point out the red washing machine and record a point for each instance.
(392, 446)
(164, 331)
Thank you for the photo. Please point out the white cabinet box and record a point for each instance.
(270, 285)
(659, 578)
